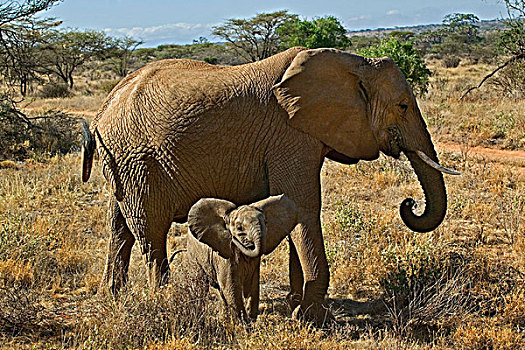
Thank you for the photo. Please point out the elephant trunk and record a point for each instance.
(258, 235)
(431, 181)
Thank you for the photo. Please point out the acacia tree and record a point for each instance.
(319, 32)
(21, 51)
(12, 11)
(69, 50)
(513, 44)
(121, 54)
(254, 38)
(461, 34)
(458, 35)
(513, 39)
(17, 26)
(21, 37)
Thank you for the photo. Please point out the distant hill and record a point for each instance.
(484, 25)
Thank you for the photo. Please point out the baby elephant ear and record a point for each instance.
(281, 217)
(206, 223)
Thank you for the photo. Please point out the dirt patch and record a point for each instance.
(516, 158)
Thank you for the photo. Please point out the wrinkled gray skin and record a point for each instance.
(176, 131)
(215, 256)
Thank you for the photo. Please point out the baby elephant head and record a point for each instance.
(253, 229)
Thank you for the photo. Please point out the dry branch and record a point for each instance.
(509, 61)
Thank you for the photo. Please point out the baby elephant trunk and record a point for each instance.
(254, 250)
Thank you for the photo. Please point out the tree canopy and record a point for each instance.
(254, 38)
(408, 60)
(266, 34)
(68, 50)
(319, 32)
(11, 11)
(21, 37)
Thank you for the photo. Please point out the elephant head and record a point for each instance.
(253, 229)
(359, 107)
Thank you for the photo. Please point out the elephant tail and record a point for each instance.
(88, 150)
(172, 257)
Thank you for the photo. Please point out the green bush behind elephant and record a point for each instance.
(176, 131)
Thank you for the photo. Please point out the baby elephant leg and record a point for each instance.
(251, 293)
(230, 287)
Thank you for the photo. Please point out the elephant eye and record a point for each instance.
(403, 107)
(239, 228)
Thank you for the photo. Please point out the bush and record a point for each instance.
(451, 61)
(178, 311)
(407, 58)
(22, 313)
(511, 80)
(55, 90)
(107, 85)
(22, 137)
(210, 60)
(424, 288)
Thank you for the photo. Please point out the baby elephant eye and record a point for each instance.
(403, 107)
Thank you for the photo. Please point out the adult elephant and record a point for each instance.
(179, 130)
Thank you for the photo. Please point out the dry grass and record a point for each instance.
(80, 103)
(459, 287)
(484, 118)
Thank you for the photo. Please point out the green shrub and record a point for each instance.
(210, 60)
(407, 58)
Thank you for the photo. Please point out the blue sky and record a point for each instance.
(180, 21)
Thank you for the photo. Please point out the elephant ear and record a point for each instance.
(206, 223)
(280, 213)
(324, 96)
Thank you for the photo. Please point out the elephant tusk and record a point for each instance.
(435, 165)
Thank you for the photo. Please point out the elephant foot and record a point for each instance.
(317, 313)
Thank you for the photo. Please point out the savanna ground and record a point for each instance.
(461, 286)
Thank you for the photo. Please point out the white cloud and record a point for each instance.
(394, 17)
(174, 33)
(360, 18)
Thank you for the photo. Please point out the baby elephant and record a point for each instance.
(225, 244)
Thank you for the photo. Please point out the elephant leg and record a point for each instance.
(298, 178)
(196, 279)
(309, 245)
(296, 277)
(251, 292)
(231, 288)
(157, 260)
(151, 230)
(119, 250)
